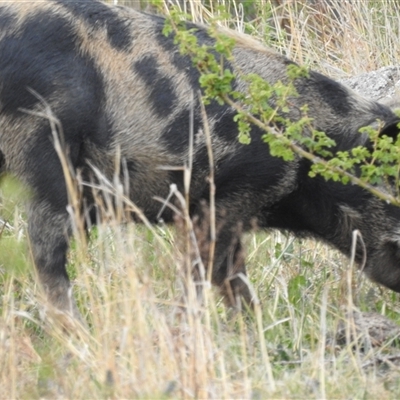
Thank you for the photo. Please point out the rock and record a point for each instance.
(378, 85)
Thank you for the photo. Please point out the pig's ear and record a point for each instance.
(392, 129)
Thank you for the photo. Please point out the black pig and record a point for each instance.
(117, 84)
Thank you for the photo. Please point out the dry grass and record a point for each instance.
(149, 338)
(147, 335)
(339, 38)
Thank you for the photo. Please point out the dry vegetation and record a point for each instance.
(147, 337)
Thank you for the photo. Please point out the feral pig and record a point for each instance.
(119, 86)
